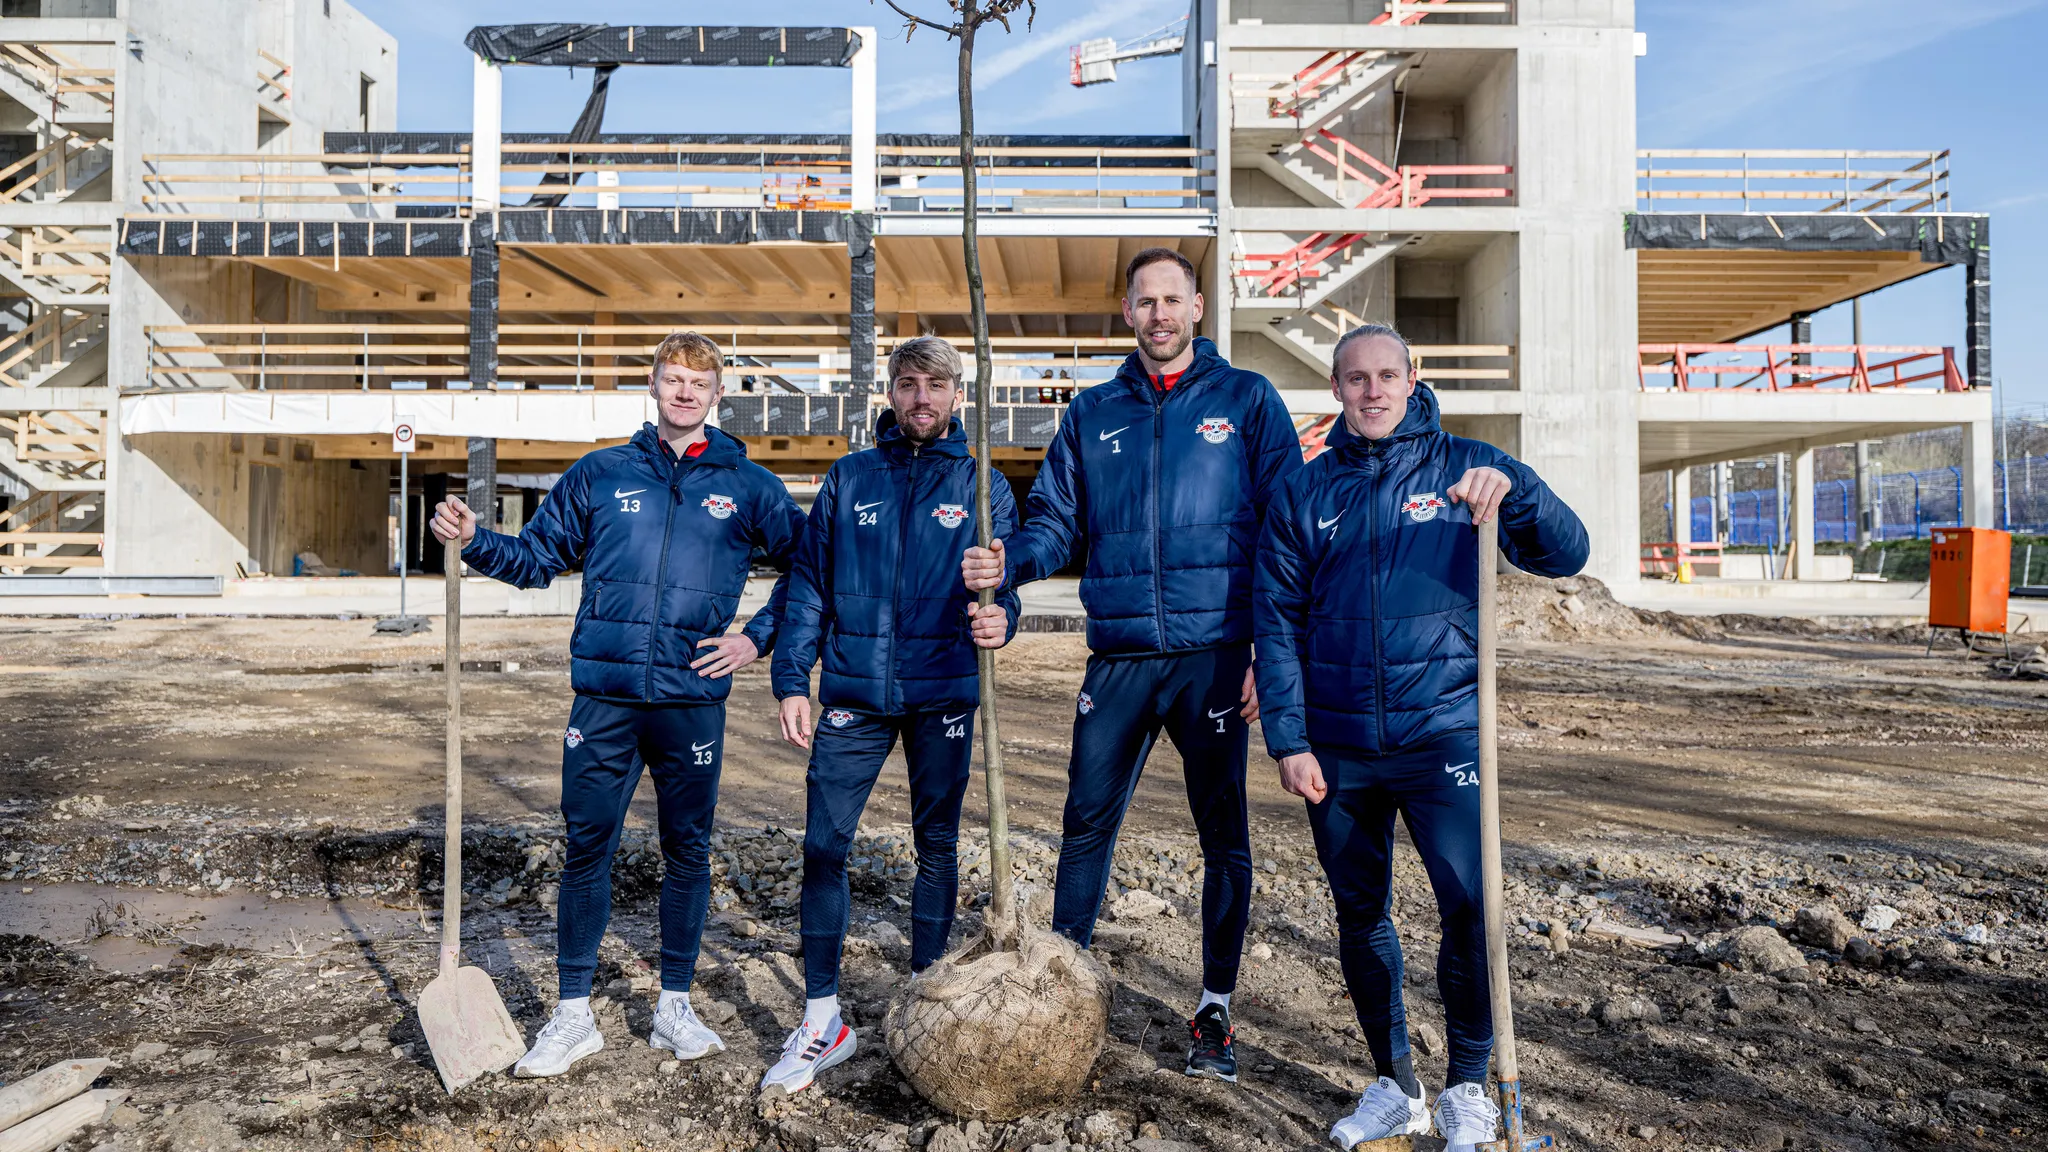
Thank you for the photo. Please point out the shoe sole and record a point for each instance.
(594, 1044)
(838, 1055)
(1205, 1074)
(716, 1045)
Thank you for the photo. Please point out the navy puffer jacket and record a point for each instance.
(1367, 595)
(1168, 490)
(876, 583)
(665, 546)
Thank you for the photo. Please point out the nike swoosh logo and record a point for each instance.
(865, 507)
(1455, 767)
(1322, 523)
(1107, 435)
(952, 719)
(1214, 715)
(618, 495)
(703, 746)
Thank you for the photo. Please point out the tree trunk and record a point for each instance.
(1000, 915)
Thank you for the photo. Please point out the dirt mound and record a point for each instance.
(1569, 608)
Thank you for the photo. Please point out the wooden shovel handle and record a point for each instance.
(451, 851)
(1505, 1067)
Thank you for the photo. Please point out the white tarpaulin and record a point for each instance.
(573, 417)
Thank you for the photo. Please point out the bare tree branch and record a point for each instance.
(915, 20)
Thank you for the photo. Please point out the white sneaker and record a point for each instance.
(677, 1029)
(1466, 1117)
(1383, 1111)
(807, 1052)
(567, 1037)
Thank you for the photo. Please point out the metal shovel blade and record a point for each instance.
(467, 1027)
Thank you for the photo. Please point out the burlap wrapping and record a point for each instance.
(1006, 1026)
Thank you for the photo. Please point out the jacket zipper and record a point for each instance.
(1372, 536)
(889, 685)
(675, 476)
(1158, 546)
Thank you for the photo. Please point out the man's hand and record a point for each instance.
(1250, 696)
(1303, 776)
(453, 520)
(796, 720)
(982, 567)
(1483, 489)
(990, 626)
(728, 655)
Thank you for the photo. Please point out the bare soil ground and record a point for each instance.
(219, 841)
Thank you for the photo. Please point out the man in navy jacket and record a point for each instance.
(664, 528)
(1366, 606)
(874, 591)
(1163, 471)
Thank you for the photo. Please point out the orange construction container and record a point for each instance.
(1969, 576)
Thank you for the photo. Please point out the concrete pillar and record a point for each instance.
(1864, 524)
(487, 108)
(1723, 481)
(1681, 506)
(1979, 498)
(863, 106)
(1802, 516)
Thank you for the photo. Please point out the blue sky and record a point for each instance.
(1866, 74)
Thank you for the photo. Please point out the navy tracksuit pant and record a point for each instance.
(847, 751)
(1125, 701)
(1435, 788)
(604, 750)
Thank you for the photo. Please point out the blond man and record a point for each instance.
(663, 528)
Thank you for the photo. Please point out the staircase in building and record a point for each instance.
(54, 416)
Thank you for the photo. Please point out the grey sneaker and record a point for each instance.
(678, 1030)
(567, 1037)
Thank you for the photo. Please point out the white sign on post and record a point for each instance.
(402, 438)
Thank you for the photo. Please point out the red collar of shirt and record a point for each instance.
(1165, 383)
(693, 450)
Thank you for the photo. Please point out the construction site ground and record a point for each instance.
(220, 853)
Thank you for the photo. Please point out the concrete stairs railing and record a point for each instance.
(67, 84)
(58, 348)
(1274, 116)
(1306, 274)
(59, 265)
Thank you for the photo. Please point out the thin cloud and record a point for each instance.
(1026, 51)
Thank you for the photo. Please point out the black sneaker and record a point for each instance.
(1210, 1051)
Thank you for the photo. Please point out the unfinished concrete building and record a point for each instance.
(258, 293)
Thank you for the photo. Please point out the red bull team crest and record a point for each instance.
(1423, 507)
(839, 717)
(1215, 429)
(720, 506)
(951, 515)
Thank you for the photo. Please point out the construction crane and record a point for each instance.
(1095, 61)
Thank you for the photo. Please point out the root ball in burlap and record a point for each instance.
(996, 1031)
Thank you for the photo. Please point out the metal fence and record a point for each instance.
(1909, 506)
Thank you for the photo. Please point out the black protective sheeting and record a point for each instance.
(589, 124)
(435, 144)
(860, 253)
(1940, 239)
(588, 45)
(483, 301)
(322, 239)
(669, 226)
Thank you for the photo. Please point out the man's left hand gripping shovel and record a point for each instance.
(1506, 1070)
(467, 1027)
